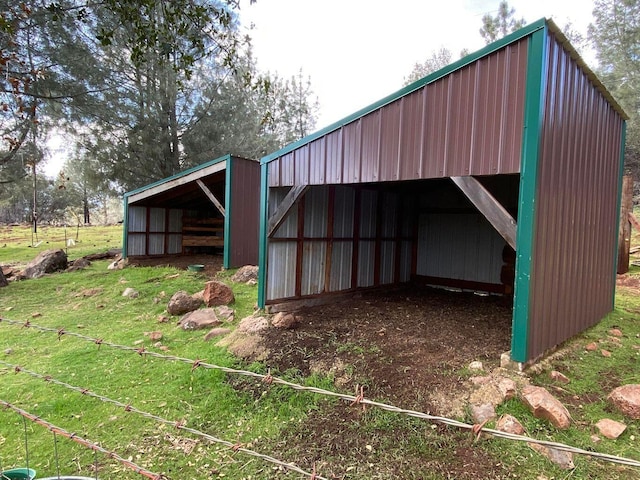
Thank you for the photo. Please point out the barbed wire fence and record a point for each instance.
(357, 399)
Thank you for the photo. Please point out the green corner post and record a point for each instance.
(262, 241)
(125, 227)
(533, 116)
(226, 256)
(623, 139)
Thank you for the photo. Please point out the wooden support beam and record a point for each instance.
(486, 203)
(211, 196)
(289, 201)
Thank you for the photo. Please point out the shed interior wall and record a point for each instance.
(346, 237)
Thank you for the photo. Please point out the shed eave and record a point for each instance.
(457, 65)
(187, 176)
(152, 186)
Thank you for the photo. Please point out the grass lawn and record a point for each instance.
(263, 418)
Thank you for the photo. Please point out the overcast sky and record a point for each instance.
(358, 51)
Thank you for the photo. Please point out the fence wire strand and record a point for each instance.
(352, 399)
(236, 447)
(86, 443)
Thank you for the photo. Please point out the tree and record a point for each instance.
(438, 59)
(615, 33)
(504, 23)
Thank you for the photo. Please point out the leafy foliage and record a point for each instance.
(438, 59)
(503, 23)
(615, 33)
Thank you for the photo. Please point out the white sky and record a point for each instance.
(359, 51)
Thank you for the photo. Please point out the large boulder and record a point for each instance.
(627, 399)
(48, 261)
(544, 405)
(181, 302)
(217, 293)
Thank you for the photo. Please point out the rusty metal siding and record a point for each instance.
(572, 276)
(243, 207)
(466, 123)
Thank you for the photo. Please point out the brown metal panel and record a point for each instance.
(411, 135)
(370, 145)
(435, 130)
(390, 141)
(334, 157)
(352, 138)
(317, 160)
(302, 165)
(287, 170)
(572, 278)
(244, 208)
(274, 173)
(459, 121)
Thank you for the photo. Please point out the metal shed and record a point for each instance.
(214, 206)
(511, 157)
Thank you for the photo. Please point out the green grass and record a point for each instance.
(240, 409)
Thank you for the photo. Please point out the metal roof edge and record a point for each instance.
(179, 175)
(458, 64)
(564, 41)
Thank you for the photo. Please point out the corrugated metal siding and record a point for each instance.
(459, 246)
(136, 222)
(157, 217)
(575, 225)
(341, 258)
(466, 123)
(281, 270)
(156, 244)
(244, 207)
(314, 255)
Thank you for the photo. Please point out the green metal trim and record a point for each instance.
(262, 240)
(533, 116)
(463, 62)
(623, 140)
(125, 230)
(226, 255)
(177, 175)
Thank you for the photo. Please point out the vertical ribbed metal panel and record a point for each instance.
(315, 212)
(289, 227)
(314, 256)
(137, 221)
(282, 270)
(156, 244)
(573, 272)
(136, 244)
(387, 262)
(302, 165)
(390, 213)
(317, 160)
(157, 218)
(466, 123)
(174, 243)
(459, 246)
(341, 258)
(368, 213)
(370, 145)
(366, 262)
(175, 220)
(406, 254)
(343, 212)
(243, 206)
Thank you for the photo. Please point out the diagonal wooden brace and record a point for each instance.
(211, 196)
(289, 201)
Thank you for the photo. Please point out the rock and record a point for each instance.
(487, 393)
(616, 332)
(155, 336)
(546, 406)
(558, 377)
(595, 439)
(118, 264)
(253, 325)
(217, 293)
(610, 428)
(509, 424)
(627, 399)
(225, 313)
(130, 293)
(483, 413)
(163, 319)
(78, 264)
(48, 261)
(199, 296)
(286, 320)
(559, 457)
(591, 347)
(181, 302)
(507, 388)
(245, 274)
(216, 332)
(477, 365)
(199, 319)
(605, 353)
(480, 380)
(8, 351)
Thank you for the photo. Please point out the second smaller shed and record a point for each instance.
(212, 206)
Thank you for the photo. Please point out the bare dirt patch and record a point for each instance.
(409, 348)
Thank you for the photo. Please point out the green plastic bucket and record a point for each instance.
(18, 474)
